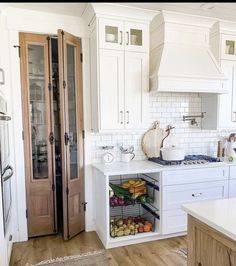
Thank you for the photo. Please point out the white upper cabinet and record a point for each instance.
(111, 34)
(228, 47)
(123, 35)
(111, 85)
(136, 90)
(221, 109)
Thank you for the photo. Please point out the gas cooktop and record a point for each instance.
(188, 160)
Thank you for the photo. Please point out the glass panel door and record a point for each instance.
(72, 114)
(38, 111)
(35, 63)
(71, 106)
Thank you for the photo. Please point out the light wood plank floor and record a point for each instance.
(154, 253)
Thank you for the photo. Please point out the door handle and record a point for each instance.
(127, 42)
(121, 37)
(127, 112)
(121, 117)
(9, 175)
(3, 76)
(196, 195)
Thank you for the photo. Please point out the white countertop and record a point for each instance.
(145, 166)
(133, 167)
(218, 214)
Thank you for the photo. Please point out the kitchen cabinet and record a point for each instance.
(123, 35)
(221, 109)
(176, 186)
(108, 214)
(124, 91)
(207, 246)
(119, 75)
(232, 181)
(189, 185)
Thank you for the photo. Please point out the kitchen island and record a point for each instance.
(212, 232)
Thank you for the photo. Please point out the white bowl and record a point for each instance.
(110, 37)
(173, 154)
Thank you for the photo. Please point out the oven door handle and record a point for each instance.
(9, 175)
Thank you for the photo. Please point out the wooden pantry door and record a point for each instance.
(37, 124)
(71, 113)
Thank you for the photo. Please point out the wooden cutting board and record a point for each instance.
(152, 139)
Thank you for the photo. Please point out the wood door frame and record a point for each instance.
(24, 73)
(76, 42)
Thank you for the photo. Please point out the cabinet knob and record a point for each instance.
(10, 238)
(234, 116)
(3, 77)
(196, 195)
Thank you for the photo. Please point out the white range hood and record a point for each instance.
(181, 59)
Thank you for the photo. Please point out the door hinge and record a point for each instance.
(66, 139)
(26, 213)
(49, 86)
(53, 187)
(85, 203)
(67, 191)
(17, 46)
(83, 134)
(51, 138)
(23, 135)
(81, 57)
(64, 84)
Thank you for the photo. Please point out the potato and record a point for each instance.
(131, 227)
(120, 233)
(126, 232)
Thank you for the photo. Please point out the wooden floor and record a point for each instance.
(160, 253)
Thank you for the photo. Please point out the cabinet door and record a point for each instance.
(136, 90)
(111, 34)
(40, 177)
(227, 111)
(232, 188)
(111, 89)
(71, 106)
(136, 37)
(228, 47)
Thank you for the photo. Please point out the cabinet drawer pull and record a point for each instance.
(121, 117)
(234, 116)
(127, 112)
(10, 238)
(121, 37)
(196, 194)
(3, 77)
(127, 43)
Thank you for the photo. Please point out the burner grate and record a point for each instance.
(188, 160)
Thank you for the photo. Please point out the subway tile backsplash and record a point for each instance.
(169, 109)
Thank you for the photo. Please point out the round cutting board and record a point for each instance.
(152, 139)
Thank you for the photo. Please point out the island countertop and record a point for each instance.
(218, 214)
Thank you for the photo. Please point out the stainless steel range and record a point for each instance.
(188, 160)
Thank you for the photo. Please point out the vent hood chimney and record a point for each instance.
(180, 58)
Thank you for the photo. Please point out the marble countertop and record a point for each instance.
(218, 214)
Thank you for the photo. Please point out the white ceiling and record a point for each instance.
(218, 10)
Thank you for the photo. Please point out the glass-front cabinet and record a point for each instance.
(228, 47)
(123, 35)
